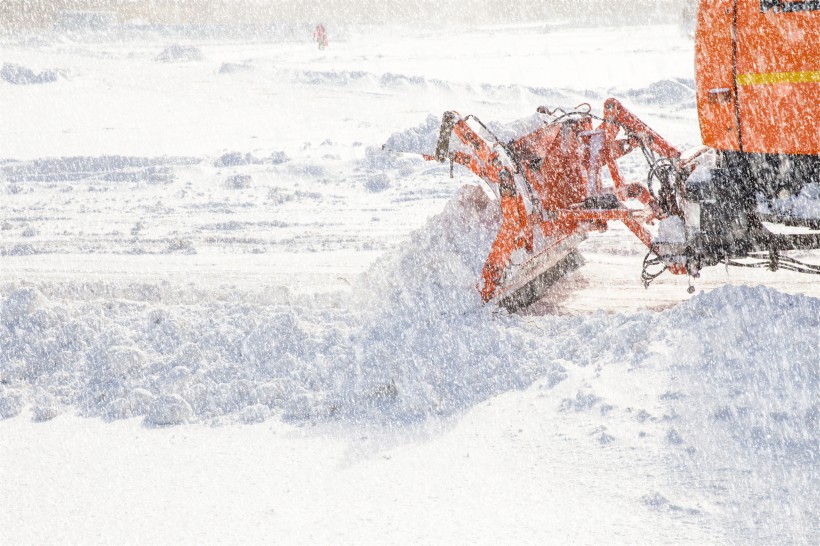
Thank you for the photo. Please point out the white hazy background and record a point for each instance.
(44, 13)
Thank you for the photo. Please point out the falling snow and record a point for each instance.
(237, 305)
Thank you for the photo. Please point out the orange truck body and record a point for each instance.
(758, 75)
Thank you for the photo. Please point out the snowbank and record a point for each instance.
(749, 363)
(238, 159)
(20, 75)
(746, 408)
(805, 205)
(413, 340)
(400, 359)
(420, 140)
(177, 53)
(233, 68)
(423, 138)
(109, 168)
(677, 91)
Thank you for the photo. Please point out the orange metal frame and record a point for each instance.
(561, 165)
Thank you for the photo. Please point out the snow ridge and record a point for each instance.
(411, 341)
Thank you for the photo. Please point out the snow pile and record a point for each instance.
(20, 75)
(400, 80)
(419, 140)
(341, 78)
(439, 267)
(404, 83)
(345, 78)
(233, 68)
(238, 182)
(11, 403)
(747, 413)
(238, 159)
(377, 182)
(178, 53)
(423, 138)
(520, 127)
(416, 341)
(113, 168)
(805, 205)
(419, 342)
(427, 344)
(759, 350)
(665, 92)
(411, 341)
(168, 409)
(20, 249)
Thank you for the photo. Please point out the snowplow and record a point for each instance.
(757, 68)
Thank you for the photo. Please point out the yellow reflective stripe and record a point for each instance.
(778, 77)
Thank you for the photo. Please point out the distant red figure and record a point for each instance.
(320, 36)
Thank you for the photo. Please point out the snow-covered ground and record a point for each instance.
(228, 316)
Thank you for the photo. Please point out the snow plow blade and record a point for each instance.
(521, 293)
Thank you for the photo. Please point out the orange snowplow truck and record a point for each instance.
(758, 85)
(758, 92)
